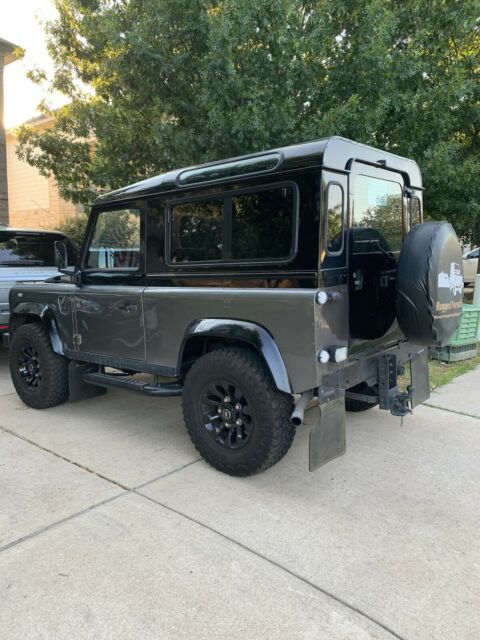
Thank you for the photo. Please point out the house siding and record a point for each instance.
(34, 200)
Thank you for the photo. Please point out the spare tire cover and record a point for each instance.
(430, 284)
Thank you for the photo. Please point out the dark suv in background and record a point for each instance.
(251, 286)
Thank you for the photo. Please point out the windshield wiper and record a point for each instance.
(22, 263)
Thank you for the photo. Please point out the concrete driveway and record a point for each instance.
(111, 527)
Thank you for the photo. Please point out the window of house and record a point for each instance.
(259, 225)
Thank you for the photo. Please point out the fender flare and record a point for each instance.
(243, 331)
(47, 317)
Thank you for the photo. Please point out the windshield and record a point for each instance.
(17, 252)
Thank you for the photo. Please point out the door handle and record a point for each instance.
(127, 307)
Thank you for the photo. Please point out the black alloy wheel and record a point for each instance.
(29, 366)
(226, 414)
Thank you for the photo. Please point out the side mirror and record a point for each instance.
(68, 271)
(74, 273)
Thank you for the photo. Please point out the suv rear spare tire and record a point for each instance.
(236, 417)
(430, 284)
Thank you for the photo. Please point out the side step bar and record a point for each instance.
(119, 382)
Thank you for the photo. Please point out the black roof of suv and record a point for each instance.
(334, 152)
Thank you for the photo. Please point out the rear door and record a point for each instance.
(377, 229)
(108, 302)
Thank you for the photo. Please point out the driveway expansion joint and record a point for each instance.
(57, 523)
(458, 413)
(92, 471)
(65, 459)
(125, 490)
(274, 563)
(167, 474)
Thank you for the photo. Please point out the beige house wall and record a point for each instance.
(9, 52)
(34, 201)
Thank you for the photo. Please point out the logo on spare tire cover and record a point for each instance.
(449, 305)
(452, 280)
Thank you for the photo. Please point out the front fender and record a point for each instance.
(45, 314)
(248, 332)
(30, 309)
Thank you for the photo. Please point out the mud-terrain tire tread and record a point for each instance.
(54, 386)
(274, 409)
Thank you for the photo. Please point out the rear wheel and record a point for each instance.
(236, 417)
(39, 375)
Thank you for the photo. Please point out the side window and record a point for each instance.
(259, 225)
(415, 212)
(262, 224)
(378, 216)
(115, 243)
(334, 222)
(155, 236)
(197, 231)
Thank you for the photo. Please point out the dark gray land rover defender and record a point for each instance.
(302, 271)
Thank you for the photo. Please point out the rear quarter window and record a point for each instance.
(259, 225)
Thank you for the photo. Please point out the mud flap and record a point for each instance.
(77, 388)
(327, 438)
(420, 378)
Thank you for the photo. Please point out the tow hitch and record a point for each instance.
(401, 403)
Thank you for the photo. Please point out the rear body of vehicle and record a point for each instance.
(244, 283)
(470, 266)
(29, 256)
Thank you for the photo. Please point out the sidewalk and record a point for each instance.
(111, 527)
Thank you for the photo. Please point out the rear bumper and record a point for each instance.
(6, 340)
(327, 437)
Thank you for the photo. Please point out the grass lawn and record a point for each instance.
(443, 372)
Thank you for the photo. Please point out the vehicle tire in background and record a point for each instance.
(236, 417)
(40, 375)
(359, 405)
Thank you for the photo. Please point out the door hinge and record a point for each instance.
(77, 339)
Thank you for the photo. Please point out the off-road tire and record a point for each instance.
(356, 406)
(272, 433)
(52, 388)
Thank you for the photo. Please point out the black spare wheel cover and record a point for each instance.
(430, 284)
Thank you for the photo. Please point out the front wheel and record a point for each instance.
(39, 375)
(236, 417)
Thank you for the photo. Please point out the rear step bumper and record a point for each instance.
(117, 382)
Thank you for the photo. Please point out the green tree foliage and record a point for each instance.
(74, 227)
(160, 84)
